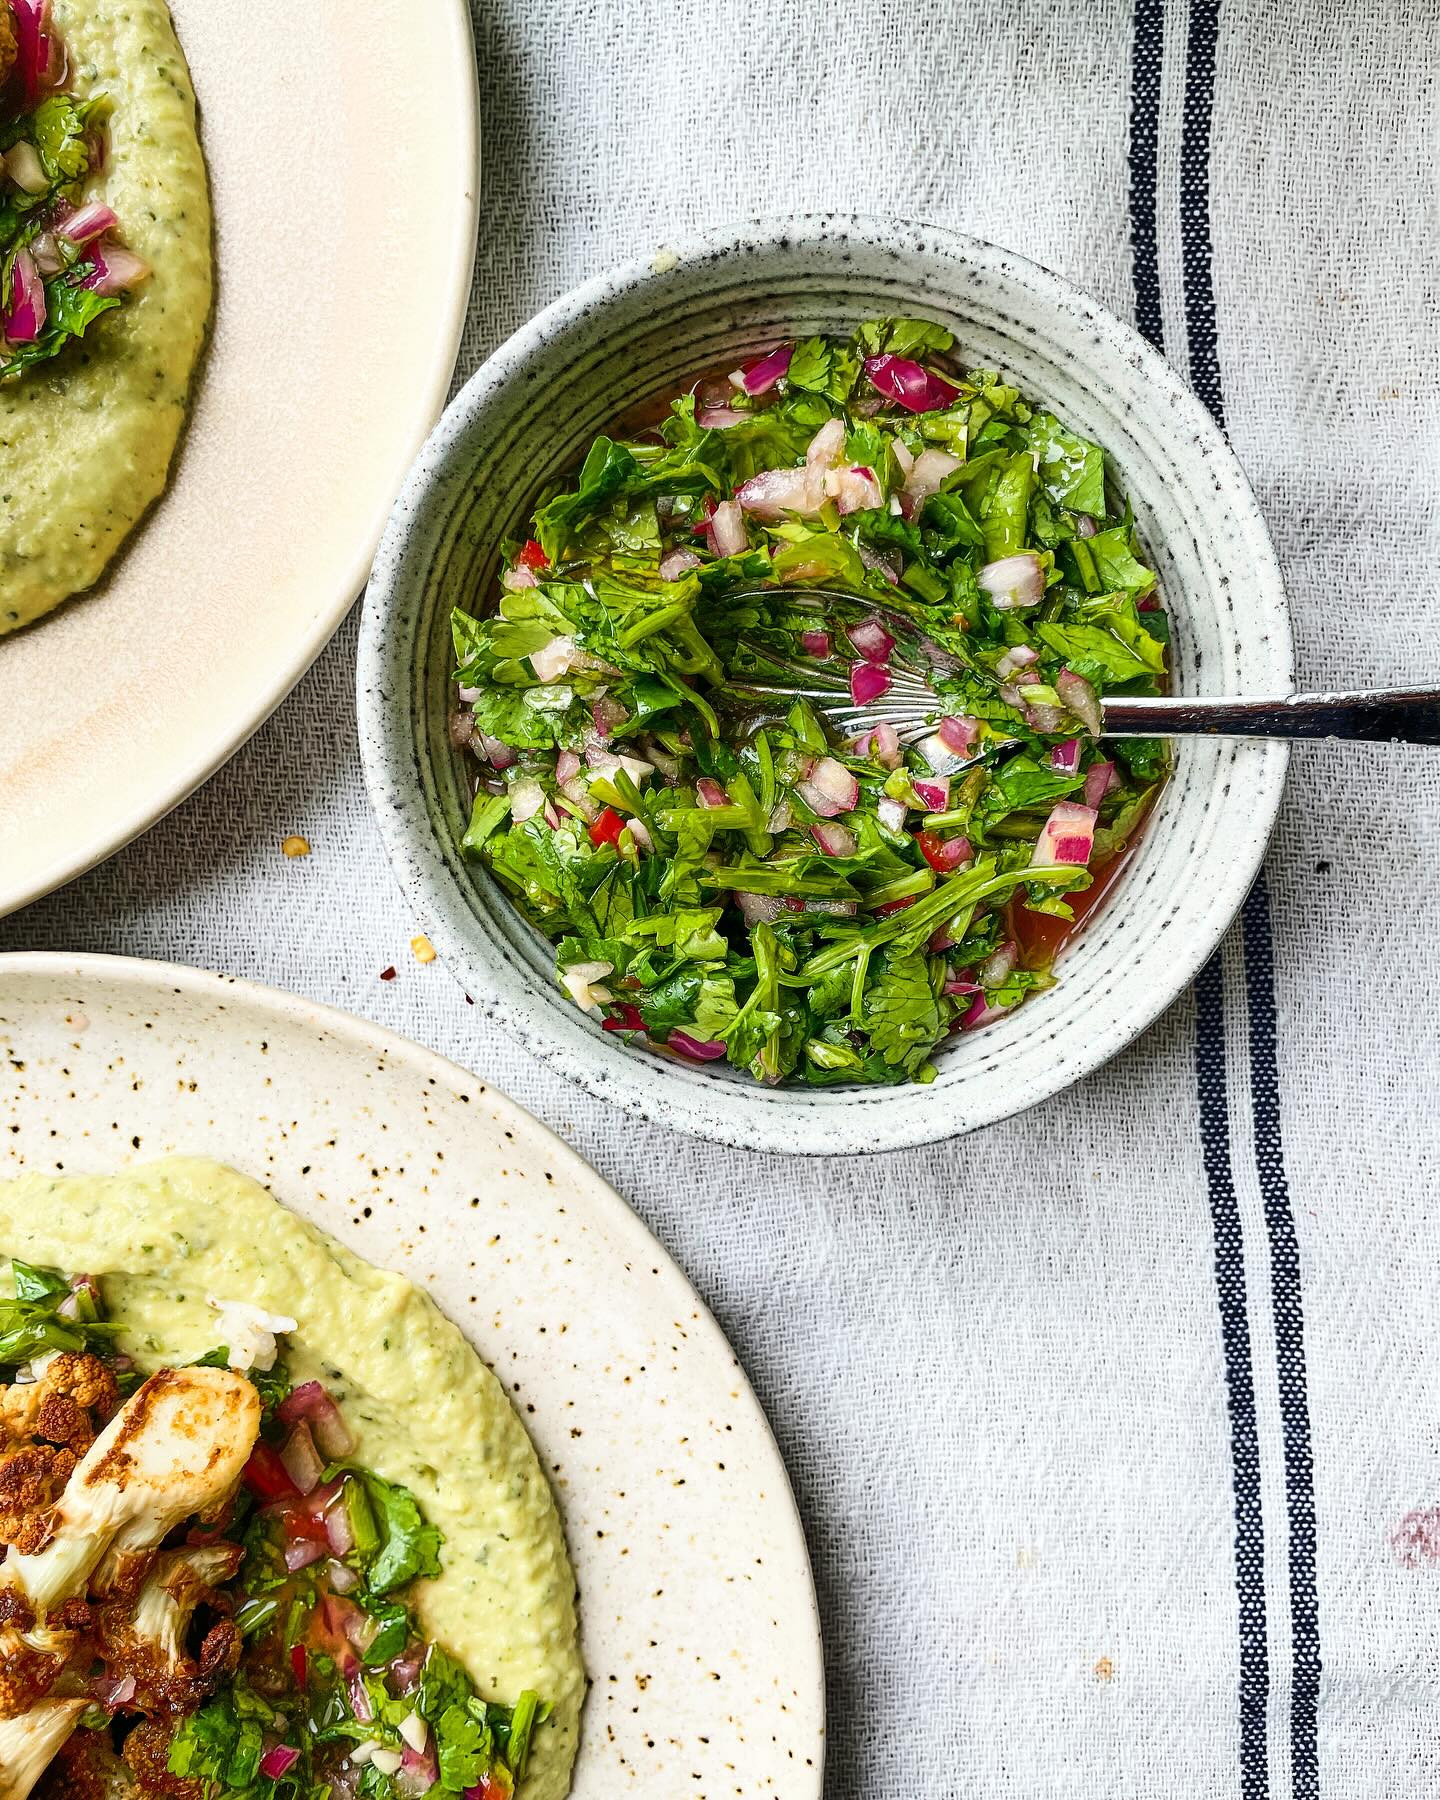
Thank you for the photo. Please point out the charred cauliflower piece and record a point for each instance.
(30, 1742)
(177, 1447)
(147, 1751)
(146, 1638)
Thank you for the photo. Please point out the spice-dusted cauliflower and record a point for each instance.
(147, 1751)
(30, 1741)
(146, 1638)
(176, 1448)
(46, 1426)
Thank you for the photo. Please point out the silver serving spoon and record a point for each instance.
(911, 706)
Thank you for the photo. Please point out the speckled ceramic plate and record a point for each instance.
(709, 302)
(697, 1609)
(329, 361)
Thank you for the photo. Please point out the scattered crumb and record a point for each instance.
(664, 260)
(1104, 1669)
(424, 950)
(388, 974)
(296, 846)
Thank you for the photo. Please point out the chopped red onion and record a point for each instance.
(815, 643)
(277, 1762)
(113, 1690)
(116, 268)
(711, 793)
(24, 319)
(1099, 779)
(527, 797)
(908, 384)
(935, 794)
(774, 492)
(1014, 581)
(829, 789)
(554, 659)
(779, 819)
(697, 1049)
(930, 468)
(727, 529)
(1067, 836)
(891, 813)
(567, 766)
(1065, 758)
(958, 733)
(498, 755)
(580, 797)
(759, 909)
(341, 1577)
(999, 963)
(981, 1013)
(881, 742)
(417, 1774)
(311, 1404)
(958, 984)
(607, 715)
(760, 376)
(952, 853)
(833, 839)
(718, 418)
(871, 639)
(853, 489)
(675, 564)
(301, 1552)
(89, 221)
(868, 681)
(301, 1459)
(640, 833)
(1081, 699)
(1085, 526)
(1019, 656)
(515, 579)
(339, 1527)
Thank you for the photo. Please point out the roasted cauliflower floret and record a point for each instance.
(30, 1665)
(29, 1742)
(46, 1426)
(70, 1385)
(147, 1751)
(31, 1480)
(177, 1447)
(146, 1638)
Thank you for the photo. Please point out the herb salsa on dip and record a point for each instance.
(800, 905)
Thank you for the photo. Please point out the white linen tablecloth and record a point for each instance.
(1115, 1428)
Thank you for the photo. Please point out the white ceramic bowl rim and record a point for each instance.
(797, 1119)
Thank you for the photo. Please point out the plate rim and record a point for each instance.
(82, 856)
(141, 976)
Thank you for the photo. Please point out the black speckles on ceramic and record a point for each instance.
(697, 1611)
(533, 408)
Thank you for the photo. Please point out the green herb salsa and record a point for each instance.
(758, 887)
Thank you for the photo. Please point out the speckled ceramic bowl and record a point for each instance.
(531, 411)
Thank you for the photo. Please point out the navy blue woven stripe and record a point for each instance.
(1212, 1081)
(1195, 246)
(1197, 261)
(1289, 1344)
(1147, 60)
(1210, 1062)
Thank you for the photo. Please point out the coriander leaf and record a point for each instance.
(409, 1547)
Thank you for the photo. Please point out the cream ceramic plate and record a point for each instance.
(698, 1621)
(343, 168)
